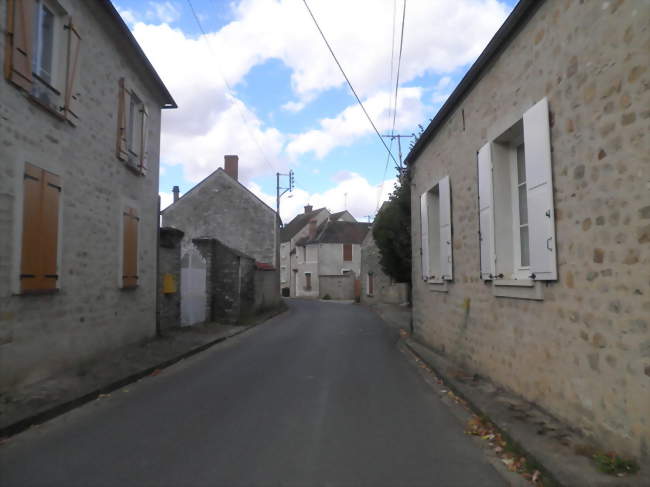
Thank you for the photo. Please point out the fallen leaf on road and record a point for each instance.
(101, 396)
(155, 372)
(536, 476)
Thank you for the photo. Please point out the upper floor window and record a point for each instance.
(517, 231)
(133, 128)
(43, 55)
(347, 252)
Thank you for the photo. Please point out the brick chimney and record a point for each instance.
(312, 229)
(231, 166)
(308, 208)
(175, 190)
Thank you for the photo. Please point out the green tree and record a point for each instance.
(392, 232)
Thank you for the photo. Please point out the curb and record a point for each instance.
(67, 406)
(474, 408)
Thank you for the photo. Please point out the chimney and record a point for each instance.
(175, 190)
(308, 208)
(312, 229)
(231, 166)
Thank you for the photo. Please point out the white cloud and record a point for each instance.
(440, 37)
(166, 199)
(351, 123)
(128, 15)
(352, 192)
(164, 12)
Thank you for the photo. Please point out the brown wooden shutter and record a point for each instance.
(347, 252)
(144, 139)
(18, 54)
(130, 248)
(124, 100)
(308, 282)
(371, 284)
(38, 263)
(70, 101)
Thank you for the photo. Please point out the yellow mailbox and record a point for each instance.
(169, 284)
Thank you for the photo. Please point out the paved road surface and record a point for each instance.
(319, 396)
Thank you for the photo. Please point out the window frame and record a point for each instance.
(351, 253)
(308, 283)
(519, 271)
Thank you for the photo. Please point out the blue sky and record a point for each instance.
(288, 106)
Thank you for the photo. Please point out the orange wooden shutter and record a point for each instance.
(371, 284)
(122, 116)
(144, 149)
(347, 251)
(38, 265)
(70, 99)
(130, 248)
(18, 55)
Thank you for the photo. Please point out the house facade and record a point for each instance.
(80, 109)
(220, 208)
(295, 230)
(328, 259)
(531, 217)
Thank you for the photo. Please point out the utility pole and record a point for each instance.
(399, 145)
(279, 190)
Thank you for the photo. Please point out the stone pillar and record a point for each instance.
(169, 282)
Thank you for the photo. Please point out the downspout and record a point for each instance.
(156, 297)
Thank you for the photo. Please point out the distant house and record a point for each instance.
(376, 286)
(531, 217)
(328, 259)
(222, 210)
(79, 151)
(295, 230)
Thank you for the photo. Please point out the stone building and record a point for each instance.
(327, 261)
(544, 148)
(376, 286)
(80, 110)
(220, 208)
(295, 230)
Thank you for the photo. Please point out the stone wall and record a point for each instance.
(90, 314)
(169, 267)
(583, 351)
(384, 289)
(337, 287)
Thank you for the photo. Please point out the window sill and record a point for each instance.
(129, 288)
(438, 286)
(515, 282)
(518, 289)
(37, 292)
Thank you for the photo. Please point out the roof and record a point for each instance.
(522, 12)
(336, 216)
(298, 223)
(338, 232)
(126, 32)
(217, 171)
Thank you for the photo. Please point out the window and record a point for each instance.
(435, 219)
(130, 222)
(370, 284)
(517, 232)
(132, 131)
(39, 255)
(43, 54)
(283, 273)
(347, 252)
(307, 281)
(43, 41)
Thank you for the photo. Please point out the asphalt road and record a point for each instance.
(318, 396)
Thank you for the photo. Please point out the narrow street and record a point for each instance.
(320, 395)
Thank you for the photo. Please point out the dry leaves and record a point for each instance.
(485, 430)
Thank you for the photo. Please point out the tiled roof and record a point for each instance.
(338, 232)
(297, 224)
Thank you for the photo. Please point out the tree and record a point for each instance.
(392, 232)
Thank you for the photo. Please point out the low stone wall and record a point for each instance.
(337, 287)
(169, 279)
(267, 295)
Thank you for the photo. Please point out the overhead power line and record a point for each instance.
(348, 81)
(229, 88)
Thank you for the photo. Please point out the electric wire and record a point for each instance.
(349, 83)
(229, 88)
(392, 131)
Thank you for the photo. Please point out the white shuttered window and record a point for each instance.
(436, 232)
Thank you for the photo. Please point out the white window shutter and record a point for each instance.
(486, 212)
(539, 184)
(446, 262)
(424, 228)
